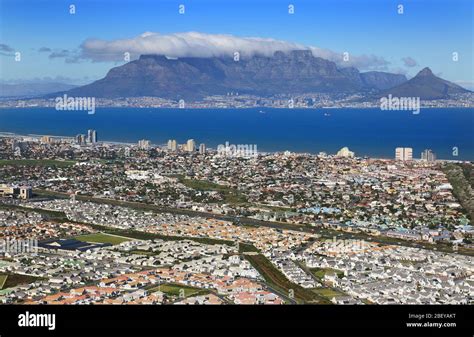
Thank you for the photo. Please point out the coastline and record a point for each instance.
(331, 108)
(119, 143)
(369, 132)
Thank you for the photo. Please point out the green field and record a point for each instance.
(3, 280)
(247, 247)
(320, 272)
(231, 195)
(143, 252)
(12, 280)
(461, 177)
(278, 281)
(36, 162)
(328, 292)
(101, 238)
(174, 290)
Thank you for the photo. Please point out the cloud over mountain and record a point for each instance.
(202, 45)
(6, 50)
(409, 62)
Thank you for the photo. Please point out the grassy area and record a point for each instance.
(175, 289)
(461, 178)
(143, 252)
(320, 272)
(12, 280)
(278, 281)
(247, 247)
(328, 292)
(3, 280)
(36, 162)
(468, 171)
(231, 195)
(101, 238)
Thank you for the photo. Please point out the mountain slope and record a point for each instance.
(295, 72)
(32, 89)
(382, 80)
(427, 86)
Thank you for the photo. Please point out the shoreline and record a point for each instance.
(4, 134)
(240, 108)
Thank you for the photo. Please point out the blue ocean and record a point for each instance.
(367, 132)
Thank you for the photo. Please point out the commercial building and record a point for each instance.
(404, 153)
(172, 145)
(143, 144)
(91, 136)
(202, 148)
(46, 140)
(190, 145)
(428, 155)
(80, 139)
(22, 192)
(26, 192)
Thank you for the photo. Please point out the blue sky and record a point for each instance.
(428, 32)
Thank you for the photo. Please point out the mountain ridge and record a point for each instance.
(192, 78)
(427, 86)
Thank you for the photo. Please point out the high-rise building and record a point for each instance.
(46, 140)
(172, 145)
(403, 153)
(80, 139)
(8, 190)
(143, 144)
(190, 145)
(202, 148)
(428, 155)
(345, 152)
(22, 192)
(92, 136)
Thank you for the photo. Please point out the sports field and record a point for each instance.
(3, 280)
(102, 238)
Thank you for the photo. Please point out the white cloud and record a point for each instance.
(409, 62)
(195, 44)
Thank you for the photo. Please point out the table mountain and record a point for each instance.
(295, 72)
(381, 80)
